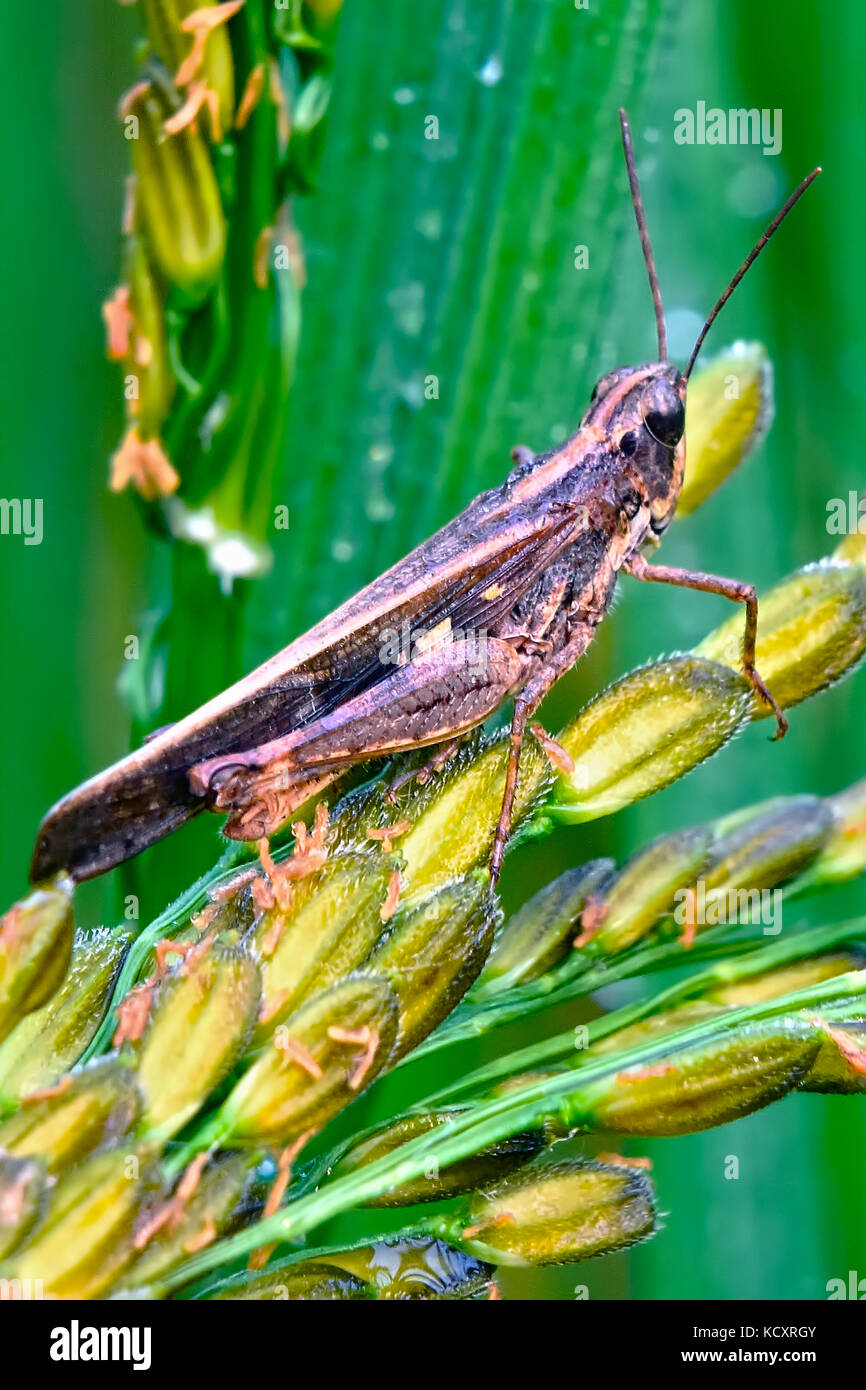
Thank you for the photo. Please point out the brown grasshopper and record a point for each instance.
(532, 564)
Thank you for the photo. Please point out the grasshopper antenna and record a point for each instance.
(750, 260)
(643, 233)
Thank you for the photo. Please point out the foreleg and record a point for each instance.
(733, 589)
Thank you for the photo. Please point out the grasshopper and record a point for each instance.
(532, 564)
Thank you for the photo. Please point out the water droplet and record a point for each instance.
(235, 557)
(754, 191)
(407, 304)
(492, 71)
(379, 456)
(379, 508)
(380, 141)
(342, 551)
(429, 224)
(212, 420)
(199, 527)
(404, 96)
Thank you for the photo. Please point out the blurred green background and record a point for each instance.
(454, 258)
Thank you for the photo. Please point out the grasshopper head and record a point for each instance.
(641, 413)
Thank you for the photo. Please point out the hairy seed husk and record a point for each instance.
(541, 934)
(194, 1224)
(569, 1211)
(87, 1109)
(644, 890)
(36, 936)
(86, 1235)
(433, 953)
(331, 927)
(811, 632)
(646, 731)
(280, 1098)
(454, 816)
(488, 1165)
(730, 410)
(45, 1043)
(697, 1087)
(177, 197)
(23, 1189)
(202, 1017)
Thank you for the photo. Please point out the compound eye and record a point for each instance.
(628, 443)
(663, 413)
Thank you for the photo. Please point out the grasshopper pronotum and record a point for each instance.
(531, 563)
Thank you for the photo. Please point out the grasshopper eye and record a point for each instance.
(663, 413)
(628, 443)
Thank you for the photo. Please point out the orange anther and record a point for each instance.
(691, 923)
(392, 898)
(167, 947)
(555, 753)
(204, 1237)
(293, 1051)
(117, 317)
(592, 919)
(645, 1073)
(272, 1006)
(143, 463)
(252, 92)
(201, 24)
(48, 1092)
(366, 1037)
(388, 833)
(132, 1015)
(622, 1161)
(198, 95)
